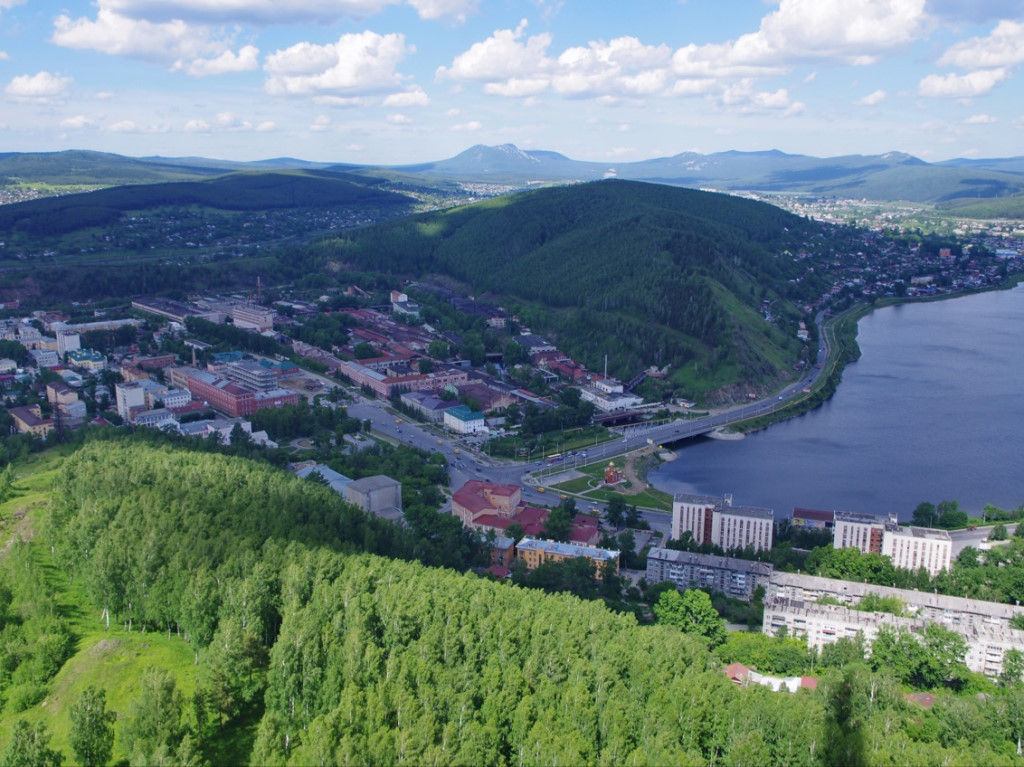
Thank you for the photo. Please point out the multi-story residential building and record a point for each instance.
(535, 552)
(737, 578)
(129, 396)
(914, 547)
(716, 521)
(29, 420)
(44, 358)
(860, 531)
(739, 527)
(792, 603)
(693, 514)
(68, 342)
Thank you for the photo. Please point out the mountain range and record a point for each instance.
(889, 176)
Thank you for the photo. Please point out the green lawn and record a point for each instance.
(113, 660)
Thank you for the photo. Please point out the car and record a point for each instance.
(398, 420)
(456, 451)
(440, 442)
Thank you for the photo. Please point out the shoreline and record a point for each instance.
(844, 349)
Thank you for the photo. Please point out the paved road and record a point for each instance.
(465, 462)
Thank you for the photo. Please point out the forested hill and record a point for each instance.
(649, 274)
(235, 192)
(307, 650)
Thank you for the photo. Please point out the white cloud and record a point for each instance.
(444, 9)
(104, 95)
(267, 126)
(364, 62)
(341, 102)
(693, 87)
(246, 59)
(398, 119)
(197, 126)
(270, 12)
(411, 97)
(1018, 123)
(980, 120)
(1004, 47)
(514, 65)
(743, 98)
(4, 56)
(873, 99)
(8, 4)
(77, 122)
(516, 87)
(40, 88)
(853, 32)
(171, 43)
(501, 56)
(320, 124)
(130, 126)
(470, 127)
(962, 86)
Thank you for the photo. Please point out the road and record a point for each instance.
(465, 462)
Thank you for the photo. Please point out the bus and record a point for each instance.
(554, 457)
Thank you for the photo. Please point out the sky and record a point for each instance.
(403, 81)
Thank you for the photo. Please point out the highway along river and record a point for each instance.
(932, 411)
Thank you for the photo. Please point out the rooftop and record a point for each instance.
(711, 560)
(567, 549)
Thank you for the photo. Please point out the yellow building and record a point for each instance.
(535, 552)
(29, 420)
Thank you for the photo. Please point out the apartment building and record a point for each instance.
(860, 531)
(535, 552)
(737, 578)
(914, 547)
(717, 522)
(792, 602)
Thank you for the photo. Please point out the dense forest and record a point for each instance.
(312, 637)
(651, 275)
(237, 191)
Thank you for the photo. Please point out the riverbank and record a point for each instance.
(842, 349)
(922, 417)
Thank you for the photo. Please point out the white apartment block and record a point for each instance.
(913, 547)
(693, 514)
(740, 527)
(792, 602)
(716, 521)
(860, 531)
(128, 396)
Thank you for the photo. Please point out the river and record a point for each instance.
(932, 411)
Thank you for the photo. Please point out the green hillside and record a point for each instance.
(229, 614)
(636, 271)
(1002, 207)
(85, 168)
(233, 192)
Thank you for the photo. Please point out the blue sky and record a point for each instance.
(400, 81)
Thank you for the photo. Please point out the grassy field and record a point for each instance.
(113, 659)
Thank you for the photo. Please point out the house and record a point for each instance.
(29, 420)
(462, 420)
